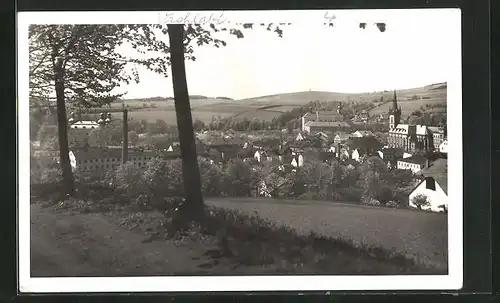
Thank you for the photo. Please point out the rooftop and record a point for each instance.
(410, 129)
(415, 160)
(364, 143)
(327, 124)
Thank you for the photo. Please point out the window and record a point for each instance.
(430, 183)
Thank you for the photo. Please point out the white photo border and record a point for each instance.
(452, 281)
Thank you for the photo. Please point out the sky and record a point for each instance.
(412, 52)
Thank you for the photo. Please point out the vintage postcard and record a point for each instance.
(240, 150)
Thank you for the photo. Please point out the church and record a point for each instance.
(411, 138)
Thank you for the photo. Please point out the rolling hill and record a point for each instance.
(268, 107)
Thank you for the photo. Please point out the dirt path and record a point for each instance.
(64, 244)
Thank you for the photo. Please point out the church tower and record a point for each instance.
(394, 113)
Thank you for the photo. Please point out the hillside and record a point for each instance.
(268, 107)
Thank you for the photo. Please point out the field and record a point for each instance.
(268, 107)
(93, 244)
(115, 243)
(415, 233)
(170, 118)
(429, 96)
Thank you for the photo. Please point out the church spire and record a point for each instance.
(394, 113)
(394, 102)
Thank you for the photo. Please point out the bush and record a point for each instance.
(350, 194)
(420, 201)
(384, 194)
(392, 204)
(51, 176)
(127, 178)
(370, 201)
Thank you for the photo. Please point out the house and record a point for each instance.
(406, 155)
(359, 154)
(176, 147)
(443, 147)
(365, 145)
(332, 126)
(438, 135)
(341, 138)
(85, 125)
(299, 137)
(436, 192)
(260, 156)
(322, 136)
(297, 161)
(391, 155)
(413, 163)
(362, 133)
(103, 159)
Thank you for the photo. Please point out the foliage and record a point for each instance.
(50, 176)
(211, 176)
(46, 133)
(163, 178)
(127, 178)
(238, 177)
(198, 125)
(420, 200)
(133, 137)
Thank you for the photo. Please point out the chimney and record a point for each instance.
(426, 163)
(317, 115)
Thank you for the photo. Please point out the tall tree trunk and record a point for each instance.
(62, 127)
(190, 170)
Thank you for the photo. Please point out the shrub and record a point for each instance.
(51, 176)
(237, 178)
(384, 194)
(127, 178)
(370, 201)
(392, 204)
(420, 201)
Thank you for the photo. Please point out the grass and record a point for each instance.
(205, 109)
(408, 107)
(110, 237)
(415, 234)
(260, 114)
(170, 118)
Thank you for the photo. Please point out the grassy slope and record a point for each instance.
(71, 245)
(205, 109)
(114, 243)
(413, 232)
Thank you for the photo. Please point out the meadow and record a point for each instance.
(269, 107)
(417, 234)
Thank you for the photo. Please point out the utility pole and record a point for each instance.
(125, 137)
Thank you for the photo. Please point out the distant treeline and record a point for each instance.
(156, 99)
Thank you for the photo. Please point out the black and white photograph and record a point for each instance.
(240, 150)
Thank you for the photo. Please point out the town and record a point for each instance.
(319, 154)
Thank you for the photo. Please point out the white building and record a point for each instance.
(434, 191)
(297, 161)
(413, 163)
(88, 125)
(443, 147)
(356, 155)
(103, 159)
(362, 133)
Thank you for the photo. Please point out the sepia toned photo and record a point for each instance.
(240, 150)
